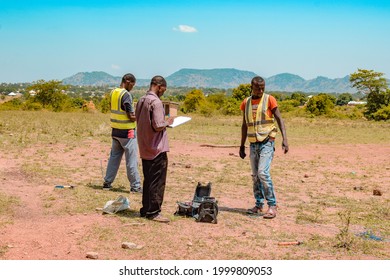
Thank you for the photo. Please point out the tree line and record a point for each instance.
(371, 86)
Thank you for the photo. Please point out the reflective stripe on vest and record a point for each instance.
(264, 125)
(119, 118)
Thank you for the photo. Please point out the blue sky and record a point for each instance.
(49, 40)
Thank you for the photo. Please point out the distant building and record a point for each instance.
(12, 94)
(170, 108)
(354, 103)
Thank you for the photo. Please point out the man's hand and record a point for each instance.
(242, 152)
(285, 146)
(170, 120)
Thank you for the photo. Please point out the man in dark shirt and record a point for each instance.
(123, 134)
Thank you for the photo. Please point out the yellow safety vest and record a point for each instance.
(119, 118)
(264, 126)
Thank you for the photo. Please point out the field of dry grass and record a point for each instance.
(324, 187)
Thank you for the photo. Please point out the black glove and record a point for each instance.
(242, 152)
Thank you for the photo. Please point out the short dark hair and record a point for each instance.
(158, 80)
(258, 79)
(128, 77)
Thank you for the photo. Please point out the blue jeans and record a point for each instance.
(261, 155)
(130, 148)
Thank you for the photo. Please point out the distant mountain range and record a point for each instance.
(223, 78)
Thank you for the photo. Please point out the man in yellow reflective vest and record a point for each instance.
(123, 133)
(260, 111)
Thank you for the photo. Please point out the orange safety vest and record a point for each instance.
(264, 126)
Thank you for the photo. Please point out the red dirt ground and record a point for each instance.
(34, 234)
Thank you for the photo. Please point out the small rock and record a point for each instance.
(92, 255)
(376, 192)
(358, 188)
(189, 243)
(129, 245)
(188, 166)
(306, 176)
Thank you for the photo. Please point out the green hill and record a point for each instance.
(223, 78)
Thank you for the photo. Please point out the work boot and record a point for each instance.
(271, 212)
(107, 186)
(136, 190)
(159, 218)
(256, 210)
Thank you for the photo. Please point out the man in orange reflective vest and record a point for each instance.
(260, 111)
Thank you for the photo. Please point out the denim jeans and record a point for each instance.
(130, 148)
(261, 155)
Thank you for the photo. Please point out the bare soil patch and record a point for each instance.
(50, 224)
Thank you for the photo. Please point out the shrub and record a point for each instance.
(218, 99)
(231, 107)
(321, 104)
(105, 104)
(241, 92)
(30, 105)
(207, 109)
(382, 114)
(343, 99)
(193, 99)
(376, 101)
(288, 105)
(300, 97)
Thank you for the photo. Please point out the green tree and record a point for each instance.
(105, 104)
(218, 99)
(382, 114)
(300, 97)
(49, 94)
(77, 102)
(241, 92)
(193, 100)
(288, 105)
(374, 85)
(343, 99)
(368, 81)
(231, 107)
(321, 104)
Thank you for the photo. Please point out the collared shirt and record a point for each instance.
(150, 116)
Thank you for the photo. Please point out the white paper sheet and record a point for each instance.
(179, 120)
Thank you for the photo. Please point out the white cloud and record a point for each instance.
(115, 67)
(185, 29)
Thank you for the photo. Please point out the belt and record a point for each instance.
(269, 138)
